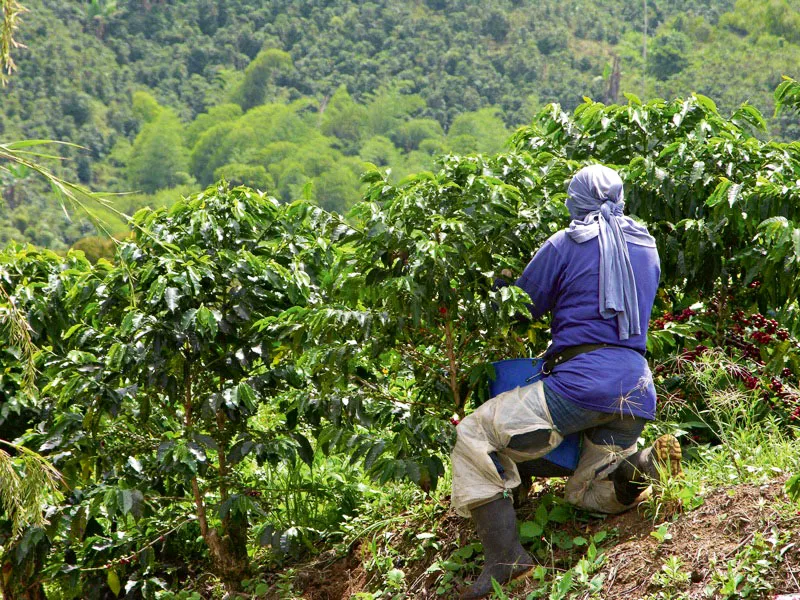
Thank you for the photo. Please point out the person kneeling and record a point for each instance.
(598, 278)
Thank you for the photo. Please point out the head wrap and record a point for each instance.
(595, 204)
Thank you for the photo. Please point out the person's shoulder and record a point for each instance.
(564, 243)
(560, 245)
(558, 239)
(636, 232)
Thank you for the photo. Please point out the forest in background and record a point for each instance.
(296, 99)
(256, 396)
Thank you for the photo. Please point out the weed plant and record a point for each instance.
(749, 447)
(749, 573)
(302, 504)
(671, 580)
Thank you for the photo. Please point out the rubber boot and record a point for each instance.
(504, 557)
(539, 467)
(636, 472)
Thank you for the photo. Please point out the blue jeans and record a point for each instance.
(607, 429)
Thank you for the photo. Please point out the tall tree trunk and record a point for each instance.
(453, 369)
(228, 549)
(235, 524)
(612, 93)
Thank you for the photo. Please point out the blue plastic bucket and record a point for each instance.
(519, 372)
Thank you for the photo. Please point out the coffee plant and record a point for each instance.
(234, 341)
(406, 339)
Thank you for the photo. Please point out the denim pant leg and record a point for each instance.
(607, 429)
(609, 439)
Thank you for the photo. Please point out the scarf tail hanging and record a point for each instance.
(596, 204)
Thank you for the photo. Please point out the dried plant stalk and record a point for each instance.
(26, 481)
(10, 20)
(19, 334)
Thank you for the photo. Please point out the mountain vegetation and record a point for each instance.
(252, 390)
(164, 98)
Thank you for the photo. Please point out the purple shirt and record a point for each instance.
(564, 278)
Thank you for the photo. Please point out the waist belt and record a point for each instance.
(573, 351)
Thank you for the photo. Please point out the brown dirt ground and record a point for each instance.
(716, 531)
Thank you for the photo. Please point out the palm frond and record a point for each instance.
(70, 195)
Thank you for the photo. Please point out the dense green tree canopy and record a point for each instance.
(158, 157)
(355, 75)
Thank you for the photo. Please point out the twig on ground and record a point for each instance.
(741, 544)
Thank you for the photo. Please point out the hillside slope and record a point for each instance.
(391, 83)
(741, 542)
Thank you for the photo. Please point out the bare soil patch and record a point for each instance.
(713, 533)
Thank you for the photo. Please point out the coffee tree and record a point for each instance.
(708, 187)
(403, 343)
(417, 318)
(34, 314)
(157, 395)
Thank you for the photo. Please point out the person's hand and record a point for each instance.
(506, 274)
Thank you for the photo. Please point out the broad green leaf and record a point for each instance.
(733, 193)
(792, 487)
(304, 449)
(81, 358)
(373, 454)
(72, 330)
(206, 321)
(541, 516)
(172, 296)
(706, 102)
(116, 356)
(112, 579)
(157, 290)
(632, 98)
(530, 530)
(720, 193)
(125, 501)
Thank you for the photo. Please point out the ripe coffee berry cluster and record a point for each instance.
(678, 317)
(749, 336)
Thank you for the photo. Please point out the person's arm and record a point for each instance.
(541, 279)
